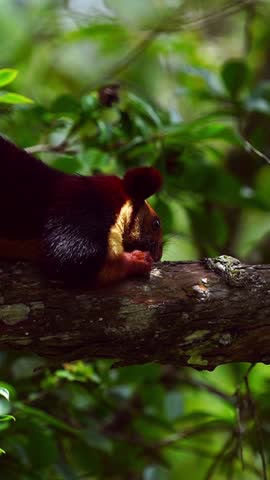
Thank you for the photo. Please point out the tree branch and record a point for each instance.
(200, 314)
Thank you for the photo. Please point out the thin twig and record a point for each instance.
(193, 382)
(240, 427)
(42, 148)
(218, 458)
(189, 432)
(256, 423)
(222, 12)
(251, 149)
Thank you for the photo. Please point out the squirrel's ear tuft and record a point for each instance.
(142, 182)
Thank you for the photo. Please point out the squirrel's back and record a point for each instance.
(25, 186)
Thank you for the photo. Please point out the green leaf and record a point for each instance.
(14, 98)
(42, 447)
(97, 440)
(4, 392)
(214, 131)
(108, 34)
(7, 418)
(219, 228)
(46, 418)
(65, 104)
(260, 105)
(173, 405)
(66, 163)
(7, 75)
(156, 472)
(144, 108)
(261, 90)
(95, 160)
(263, 185)
(234, 74)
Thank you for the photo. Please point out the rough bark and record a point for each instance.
(185, 314)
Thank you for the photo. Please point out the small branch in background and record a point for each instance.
(226, 11)
(190, 432)
(172, 376)
(251, 149)
(211, 389)
(257, 423)
(240, 427)
(42, 148)
(219, 457)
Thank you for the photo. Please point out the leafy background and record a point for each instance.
(191, 84)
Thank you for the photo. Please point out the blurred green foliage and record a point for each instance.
(189, 92)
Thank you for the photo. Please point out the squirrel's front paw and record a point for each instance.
(138, 262)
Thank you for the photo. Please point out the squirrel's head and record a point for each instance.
(143, 230)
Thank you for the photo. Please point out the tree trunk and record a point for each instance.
(201, 314)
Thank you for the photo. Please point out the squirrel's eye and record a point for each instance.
(156, 224)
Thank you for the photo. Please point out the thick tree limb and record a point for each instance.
(185, 314)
